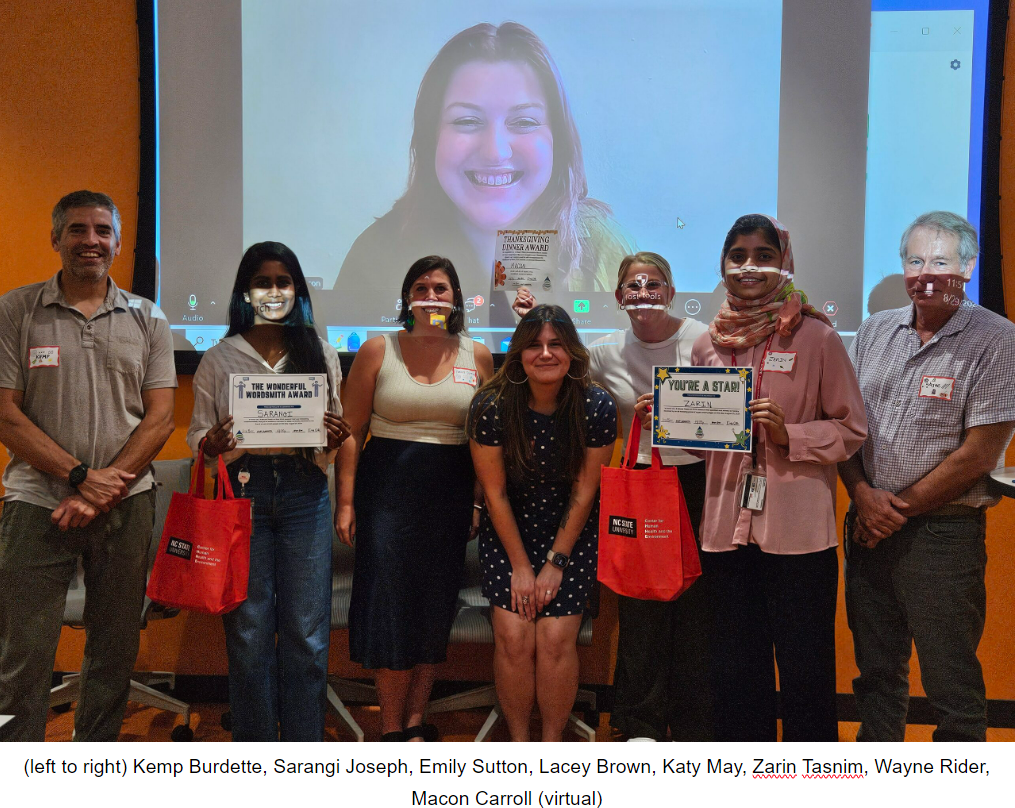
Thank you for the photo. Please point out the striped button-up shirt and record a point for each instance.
(921, 399)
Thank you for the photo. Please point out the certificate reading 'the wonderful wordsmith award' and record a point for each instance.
(271, 409)
(702, 408)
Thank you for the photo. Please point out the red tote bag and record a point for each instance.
(646, 541)
(203, 558)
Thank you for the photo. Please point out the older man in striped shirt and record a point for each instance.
(938, 381)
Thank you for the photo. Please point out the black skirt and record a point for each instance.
(413, 512)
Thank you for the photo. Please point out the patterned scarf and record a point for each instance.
(744, 323)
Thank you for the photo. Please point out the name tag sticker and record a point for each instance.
(779, 361)
(45, 356)
(466, 376)
(940, 387)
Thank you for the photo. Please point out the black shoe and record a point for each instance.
(428, 732)
(397, 735)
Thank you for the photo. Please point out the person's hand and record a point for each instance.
(525, 301)
(74, 511)
(345, 524)
(104, 488)
(766, 412)
(864, 538)
(337, 428)
(643, 410)
(477, 513)
(219, 439)
(523, 592)
(880, 512)
(547, 585)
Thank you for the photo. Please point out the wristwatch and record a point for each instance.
(77, 475)
(558, 560)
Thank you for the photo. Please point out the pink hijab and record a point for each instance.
(744, 323)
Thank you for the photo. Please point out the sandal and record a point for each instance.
(397, 735)
(428, 732)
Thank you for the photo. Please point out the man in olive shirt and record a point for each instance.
(86, 402)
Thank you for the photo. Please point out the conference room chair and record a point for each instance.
(473, 625)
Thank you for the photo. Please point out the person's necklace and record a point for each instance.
(274, 354)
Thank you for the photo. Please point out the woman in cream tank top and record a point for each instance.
(406, 496)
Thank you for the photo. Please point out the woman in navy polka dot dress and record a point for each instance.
(540, 431)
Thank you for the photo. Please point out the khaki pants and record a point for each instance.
(37, 563)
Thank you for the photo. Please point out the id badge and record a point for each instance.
(751, 494)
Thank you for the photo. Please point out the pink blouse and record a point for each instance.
(826, 422)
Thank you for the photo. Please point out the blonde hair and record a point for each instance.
(650, 258)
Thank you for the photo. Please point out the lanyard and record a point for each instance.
(757, 389)
(761, 373)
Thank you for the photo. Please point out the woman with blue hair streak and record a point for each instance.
(277, 639)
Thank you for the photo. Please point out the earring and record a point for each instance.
(246, 298)
(508, 375)
(410, 321)
(578, 378)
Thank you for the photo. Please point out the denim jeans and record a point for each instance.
(923, 584)
(278, 687)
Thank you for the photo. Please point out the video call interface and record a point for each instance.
(367, 136)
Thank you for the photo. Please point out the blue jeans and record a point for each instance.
(277, 689)
(923, 584)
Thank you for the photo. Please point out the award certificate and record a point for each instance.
(525, 258)
(278, 409)
(702, 408)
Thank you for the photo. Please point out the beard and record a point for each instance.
(87, 270)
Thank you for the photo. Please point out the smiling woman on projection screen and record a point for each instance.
(494, 146)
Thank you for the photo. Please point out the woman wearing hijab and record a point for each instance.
(772, 567)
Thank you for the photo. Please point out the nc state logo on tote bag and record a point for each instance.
(203, 558)
(646, 541)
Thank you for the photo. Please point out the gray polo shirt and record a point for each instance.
(82, 377)
(921, 399)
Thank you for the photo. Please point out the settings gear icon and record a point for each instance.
(955, 64)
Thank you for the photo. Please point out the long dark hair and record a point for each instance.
(302, 342)
(511, 398)
(456, 319)
(565, 203)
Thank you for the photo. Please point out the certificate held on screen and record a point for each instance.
(278, 410)
(526, 259)
(702, 408)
